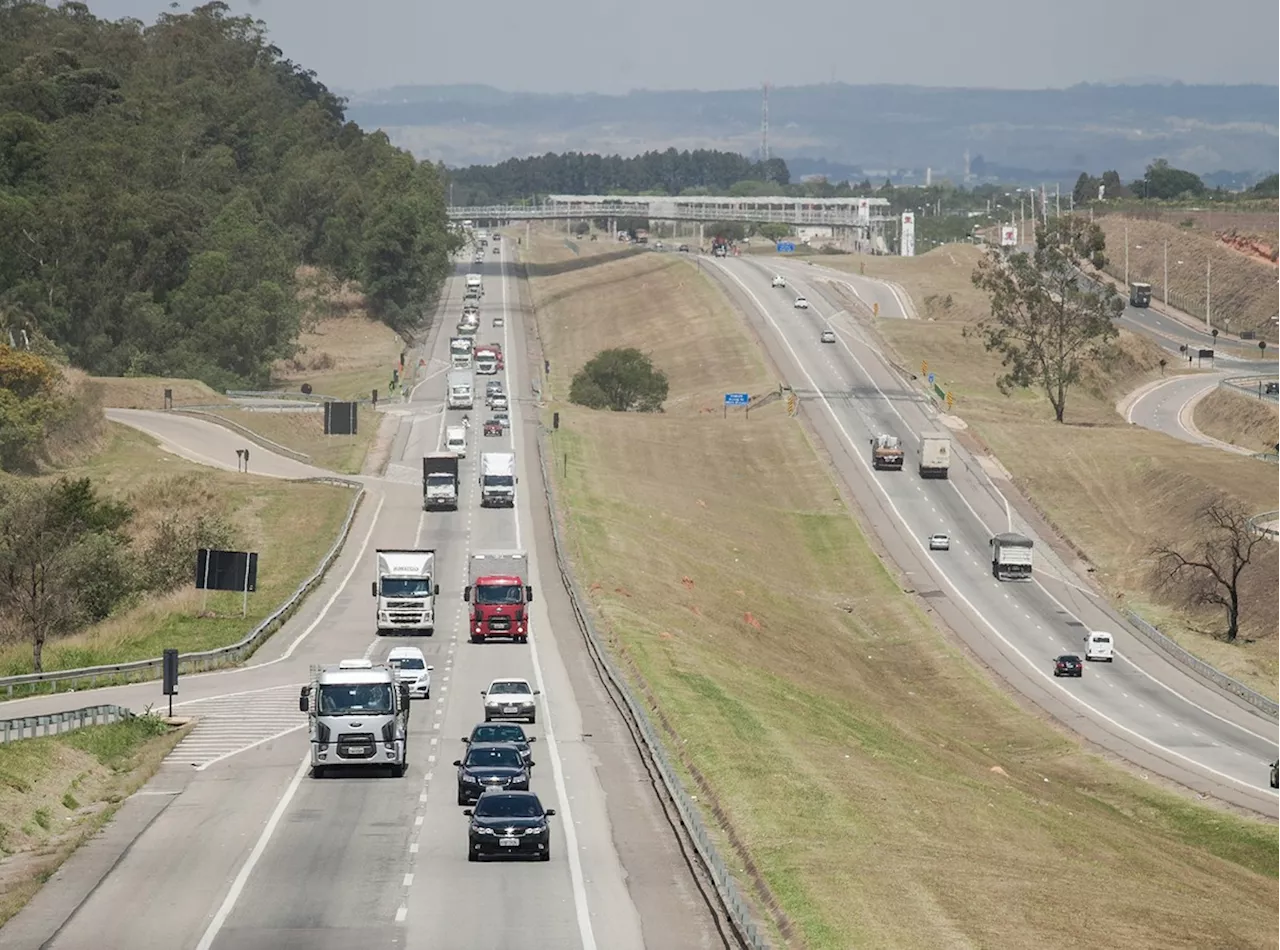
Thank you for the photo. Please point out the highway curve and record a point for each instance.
(232, 846)
(1143, 707)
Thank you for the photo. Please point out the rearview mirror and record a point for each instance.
(484, 692)
(528, 595)
(466, 738)
(467, 812)
(532, 763)
(550, 813)
(437, 590)
(466, 592)
(457, 763)
(430, 668)
(537, 692)
(373, 588)
(532, 739)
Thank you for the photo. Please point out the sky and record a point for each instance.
(613, 46)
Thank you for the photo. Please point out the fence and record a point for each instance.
(32, 727)
(1262, 523)
(139, 670)
(1267, 706)
(727, 888)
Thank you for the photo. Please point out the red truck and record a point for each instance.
(499, 596)
(497, 351)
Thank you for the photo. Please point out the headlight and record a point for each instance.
(482, 831)
(469, 779)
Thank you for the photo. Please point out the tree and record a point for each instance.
(622, 380)
(1086, 189)
(1164, 182)
(1208, 572)
(1047, 321)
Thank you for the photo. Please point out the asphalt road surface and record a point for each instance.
(1143, 707)
(1168, 406)
(233, 846)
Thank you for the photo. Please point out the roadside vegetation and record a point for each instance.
(817, 702)
(1114, 491)
(56, 792)
(1239, 419)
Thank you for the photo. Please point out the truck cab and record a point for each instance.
(499, 595)
(486, 361)
(406, 591)
(461, 392)
(440, 482)
(1139, 295)
(886, 452)
(498, 480)
(358, 716)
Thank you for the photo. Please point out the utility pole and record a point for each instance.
(1208, 280)
(1166, 272)
(1057, 199)
(1126, 256)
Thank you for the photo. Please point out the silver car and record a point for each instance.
(939, 542)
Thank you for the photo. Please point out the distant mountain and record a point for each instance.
(877, 128)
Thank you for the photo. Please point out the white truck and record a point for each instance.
(460, 352)
(475, 284)
(455, 440)
(440, 481)
(406, 590)
(1010, 556)
(461, 393)
(498, 480)
(358, 715)
(935, 456)
(486, 361)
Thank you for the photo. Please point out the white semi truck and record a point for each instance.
(935, 456)
(475, 284)
(406, 590)
(1010, 556)
(461, 393)
(498, 480)
(358, 715)
(460, 352)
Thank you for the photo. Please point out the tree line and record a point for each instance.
(1161, 182)
(160, 185)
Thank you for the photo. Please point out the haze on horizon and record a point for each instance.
(608, 46)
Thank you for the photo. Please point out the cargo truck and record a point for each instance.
(475, 284)
(935, 456)
(440, 482)
(1010, 556)
(460, 352)
(498, 480)
(486, 361)
(461, 392)
(1140, 295)
(499, 595)
(886, 452)
(358, 715)
(406, 590)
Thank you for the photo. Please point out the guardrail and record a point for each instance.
(1263, 704)
(314, 398)
(139, 670)
(1253, 385)
(33, 727)
(245, 431)
(725, 885)
(1260, 523)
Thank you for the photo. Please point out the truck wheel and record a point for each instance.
(317, 771)
(475, 639)
(533, 719)
(522, 639)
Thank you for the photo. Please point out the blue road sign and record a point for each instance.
(786, 247)
(931, 379)
(736, 399)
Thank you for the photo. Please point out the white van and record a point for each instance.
(1099, 645)
(455, 440)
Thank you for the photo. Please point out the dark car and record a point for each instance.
(509, 823)
(1068, 665)
(509, 733)
(1275, 774)
(491, 765)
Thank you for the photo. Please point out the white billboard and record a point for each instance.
(907, 246)
(1008, 235)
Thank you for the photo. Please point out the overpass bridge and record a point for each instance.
(853, 219)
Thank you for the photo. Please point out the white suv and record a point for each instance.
(779, 282)
(510, 699)
(802, 304)
(411, 667)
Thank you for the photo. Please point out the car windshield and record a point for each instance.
(365, 699)
(509, 689)
(407, 663)
(489, 758)
(499, 594)
(498, 734)
(500, 481)
(406, 586)
(508, 806)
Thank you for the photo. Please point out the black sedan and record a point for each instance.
(509, 823)
(1068, 665)
(505, 732)
(491, 765)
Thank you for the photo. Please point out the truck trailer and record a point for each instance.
(440, 482)
(499, 594)
(358, 715)
(498, 480)
(1010, 556)
(935, 456)
(886, 452)
(406, 590)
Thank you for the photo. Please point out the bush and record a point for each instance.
(621, 380)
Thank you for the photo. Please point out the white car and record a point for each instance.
(499, 402)
(939, 542)
(828, 336)
(801, 304)
(1099, 645)
(510, 699)
(411, 667)
(779, 282)
(499, 321)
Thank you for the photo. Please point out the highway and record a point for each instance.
(1143, 707)
(1168, 406)
(233, 846)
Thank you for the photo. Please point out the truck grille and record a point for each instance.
(355, 738)
(499, 622)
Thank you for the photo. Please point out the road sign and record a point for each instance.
(951, 400)
(736, 399)
(791, 404)
(924, 367)
(786, 247)
(931, 378)
(875, 309)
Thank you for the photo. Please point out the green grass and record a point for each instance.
(889, 794)
(290, 525)
(304, 432)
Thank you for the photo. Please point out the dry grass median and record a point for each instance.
(1113, 490)
(889, 794)
(1238, 419)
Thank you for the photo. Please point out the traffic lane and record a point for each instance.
(168, 882)
(1179, 711)
(882, 297)
(1166, 408)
